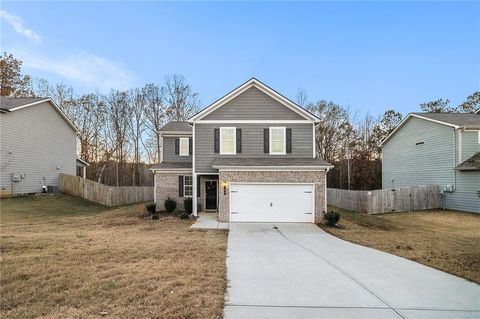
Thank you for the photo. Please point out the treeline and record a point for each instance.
(120, 131)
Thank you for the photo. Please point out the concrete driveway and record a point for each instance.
(299, 271)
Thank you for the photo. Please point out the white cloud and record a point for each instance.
(17, 23)
(92, 71)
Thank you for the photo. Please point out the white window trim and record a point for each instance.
(183, 141)
(222, 152)
(478, 137)
(284, 140)
(185, 184)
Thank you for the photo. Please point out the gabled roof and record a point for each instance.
(176, 126)
(253, 82)
(12, 104)
(455, 120)
(477, 111)
(471, 164)
(464, 120)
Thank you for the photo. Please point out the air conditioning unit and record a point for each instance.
(449, 188)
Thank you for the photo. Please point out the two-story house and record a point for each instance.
(250, 156)
(436, 149)
(37, 143)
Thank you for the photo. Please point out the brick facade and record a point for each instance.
(317, 177)
(166, 185)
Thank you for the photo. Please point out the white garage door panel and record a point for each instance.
(271, 203)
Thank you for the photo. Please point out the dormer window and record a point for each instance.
(277, 141)
(227, 141)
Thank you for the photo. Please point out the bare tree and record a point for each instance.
(180, 99)
(136, 128)
(302, 97)
(155, 117)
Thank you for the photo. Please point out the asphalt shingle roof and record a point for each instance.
(466, 120)
(176, 126)
(7, 103)
(172, 165)
(219, 162)
(471, 164)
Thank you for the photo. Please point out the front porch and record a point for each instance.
(209, 220)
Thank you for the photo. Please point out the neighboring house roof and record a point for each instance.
(171, 166)
(81, 161)
(477, 111)
(253, 82)
(176, 126)
(455, 120)
(270, 162)
(8, 103)
(11, 104)
(464, 120)
(471, 164)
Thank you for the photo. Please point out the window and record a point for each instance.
(478, 137)
(277, 141)
(187, 186)
(184, 147)
(227, 140)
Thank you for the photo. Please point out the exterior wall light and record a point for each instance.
(224, 185)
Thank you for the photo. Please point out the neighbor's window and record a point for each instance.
(184, 147)
(187, 186)
(227, 140)
(277, 140)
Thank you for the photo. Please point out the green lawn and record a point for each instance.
(40, 208)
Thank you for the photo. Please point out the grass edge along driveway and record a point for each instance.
(445, 240)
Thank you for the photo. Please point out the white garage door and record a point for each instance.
(271, 202)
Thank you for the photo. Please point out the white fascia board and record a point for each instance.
(55, 106)
(262, 87)
(163, 170)
(82, 161)
(253, 121)
(175, 133)
(410, 115)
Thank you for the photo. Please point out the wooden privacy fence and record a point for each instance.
(386, 200)
(104, 194)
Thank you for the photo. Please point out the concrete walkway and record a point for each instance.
(209, 221)
(299, 271)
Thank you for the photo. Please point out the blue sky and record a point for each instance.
(370, 56)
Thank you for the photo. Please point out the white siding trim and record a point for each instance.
(252, 121)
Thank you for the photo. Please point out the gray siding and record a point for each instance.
(169, 151)
(430, 163)
(252, 143)
(470, 144)
(39, 140)
(253, 104)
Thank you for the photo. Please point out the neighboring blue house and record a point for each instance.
(436, 148)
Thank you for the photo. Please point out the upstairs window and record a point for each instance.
(227, 141)
(184, 146)
(277, 141)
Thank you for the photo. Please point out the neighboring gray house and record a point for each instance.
(37, 143)
(440, 149)
(250, 156)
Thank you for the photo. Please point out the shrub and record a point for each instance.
(331, 218)
(170, 204)
(187, 203)
(151, 208)
(183, 215)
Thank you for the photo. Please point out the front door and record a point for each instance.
(211, 195)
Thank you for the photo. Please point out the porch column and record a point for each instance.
(84, 172)
(194, 194)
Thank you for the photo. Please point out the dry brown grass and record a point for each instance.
(112, 264)
(449, 241)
